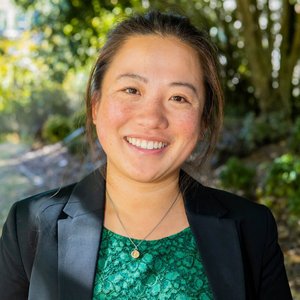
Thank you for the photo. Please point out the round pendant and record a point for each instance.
(135, 253)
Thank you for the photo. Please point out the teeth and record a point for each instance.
(146, 144)
(150, 145)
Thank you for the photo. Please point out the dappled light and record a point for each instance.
(45, 60)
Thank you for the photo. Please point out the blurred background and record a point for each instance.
(47, 48)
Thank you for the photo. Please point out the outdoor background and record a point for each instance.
(47, 48)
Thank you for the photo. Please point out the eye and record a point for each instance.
(179, 99)
(131, 90)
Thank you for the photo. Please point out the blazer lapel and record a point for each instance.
(79, 234)
(218, 243)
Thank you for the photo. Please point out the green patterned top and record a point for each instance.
(168, 268)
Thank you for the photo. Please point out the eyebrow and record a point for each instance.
(134, 76)
(186, 84)
(143, 79)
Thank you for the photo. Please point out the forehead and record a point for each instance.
(157, 55)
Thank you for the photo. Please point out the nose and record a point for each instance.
(153, 115)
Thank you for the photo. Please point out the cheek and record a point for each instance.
(116, 115)
(110, 118)
(189, 125)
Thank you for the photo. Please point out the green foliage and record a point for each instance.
(28, 114)
(42, 103)
(56, 128)
(79, 145)
(27, 96)
(294, 140)
(238, 177)
(73, 31)
(257, 131)
(18, 72)
(78, 119)
(282, 185)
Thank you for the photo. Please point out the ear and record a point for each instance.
(95, 106)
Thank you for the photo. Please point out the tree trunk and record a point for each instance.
(259, 57)
(290, 52)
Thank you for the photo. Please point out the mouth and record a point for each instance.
(146, 144)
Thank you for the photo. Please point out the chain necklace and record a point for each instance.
(135, 253)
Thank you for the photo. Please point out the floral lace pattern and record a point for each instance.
(168, 268)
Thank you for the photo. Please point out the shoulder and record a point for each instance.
(214, 202)
(249, 213)
(27, 213)
(254, 223)
(258, 239)
(79, 197)
(37, 204)
(254, 220)
(236, 205)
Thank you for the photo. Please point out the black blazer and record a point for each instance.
(50, 244)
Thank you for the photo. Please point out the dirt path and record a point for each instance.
(13, 184)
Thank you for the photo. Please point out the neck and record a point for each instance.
(131, 195)
(141, 206)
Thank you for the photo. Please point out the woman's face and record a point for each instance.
(148, 117)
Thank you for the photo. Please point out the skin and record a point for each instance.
(153, 92)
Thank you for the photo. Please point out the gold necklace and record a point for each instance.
(135, 253)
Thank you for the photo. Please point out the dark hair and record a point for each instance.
(165, 25)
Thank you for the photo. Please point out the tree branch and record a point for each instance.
(269, 28)
(253, 37)
(295, 47)
(259, 58)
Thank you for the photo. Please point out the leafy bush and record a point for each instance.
(257, 131)
(28, 114)
(230, 143)
(294, 140)
(282, 185)
(56, 128)
(238, 177)
(43, 103)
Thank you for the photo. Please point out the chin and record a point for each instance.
(151, 177)
(144, 178)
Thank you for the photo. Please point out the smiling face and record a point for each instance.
(148, 116)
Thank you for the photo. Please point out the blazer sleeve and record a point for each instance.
(13, 280)
(274, 282)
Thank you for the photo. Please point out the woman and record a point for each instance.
(141, 228)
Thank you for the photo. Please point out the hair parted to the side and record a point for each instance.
(165, 25)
